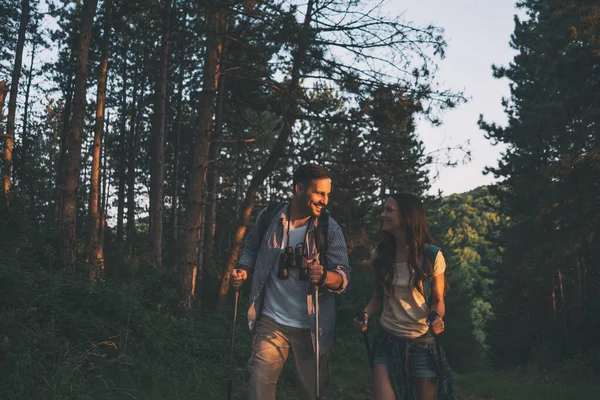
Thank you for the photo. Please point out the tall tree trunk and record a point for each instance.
(563, 312)
(122, 154)
(3, 92)
(96, 256)
(69, 219)
(131, 156)
(61, 169)
(290, 113)
(25, 137)
(174, 228)
(137, 100)
(215, 18)
(12, 101)
(210, 206)
(104, 197)
(158, 144)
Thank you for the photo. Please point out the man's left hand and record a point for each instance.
(315, 272)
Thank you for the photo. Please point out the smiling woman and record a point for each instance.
(410, 286)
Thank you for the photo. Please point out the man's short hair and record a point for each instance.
(309, 172)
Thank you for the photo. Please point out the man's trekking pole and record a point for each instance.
(230, 380)
(317, 349)
(361, 317)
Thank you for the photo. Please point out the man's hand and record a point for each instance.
(315, 271)
(238, 276)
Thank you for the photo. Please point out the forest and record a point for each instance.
(140, 139)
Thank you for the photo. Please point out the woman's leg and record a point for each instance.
(426, 388)
(382, 386)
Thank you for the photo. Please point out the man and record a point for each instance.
(281, 313)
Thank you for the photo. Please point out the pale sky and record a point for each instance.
(478, 34)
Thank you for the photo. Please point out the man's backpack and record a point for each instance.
(320, 232)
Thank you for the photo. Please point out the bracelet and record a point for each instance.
(433, 315)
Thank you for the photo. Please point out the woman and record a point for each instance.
(409, 285)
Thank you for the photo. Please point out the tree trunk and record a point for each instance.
(3, 92)
(96, 256)
(215, 23)
(131, 159)
(206, 264)
(25, 140)
(12, 101)
(290, 112)
(158, 145)
(104, 197)
(174, 228)
(122, 155)
(69, 218)
(209, 226)
(61, 171)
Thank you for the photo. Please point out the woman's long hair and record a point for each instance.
(412, 215)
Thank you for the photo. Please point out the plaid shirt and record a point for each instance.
(262, 261)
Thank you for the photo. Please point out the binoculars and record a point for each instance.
(293, 259)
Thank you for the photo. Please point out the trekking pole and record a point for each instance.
(361, 317)
(438, 350)
(317, 350)
(230, 380)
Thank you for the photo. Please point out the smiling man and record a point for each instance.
(291, 248)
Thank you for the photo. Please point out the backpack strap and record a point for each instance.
(431, 252)
(265, 218)
(321, 235)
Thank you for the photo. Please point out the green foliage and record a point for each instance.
(465, 225)
(547, 286)
(127, 337)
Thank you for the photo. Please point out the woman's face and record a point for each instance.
(390, 216)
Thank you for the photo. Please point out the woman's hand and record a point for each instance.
(437, 325)
(361, 321)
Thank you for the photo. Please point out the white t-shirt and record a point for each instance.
(405, 311)
(285, 299)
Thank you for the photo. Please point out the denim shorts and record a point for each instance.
(420, 357)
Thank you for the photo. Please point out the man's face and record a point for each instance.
(314, 196)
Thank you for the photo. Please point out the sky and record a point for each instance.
(478, 35)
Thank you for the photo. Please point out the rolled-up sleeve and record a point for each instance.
(337, 255)
(251, 243)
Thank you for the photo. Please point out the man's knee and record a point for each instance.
(266, 364)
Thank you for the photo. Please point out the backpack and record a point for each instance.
(320, 232)
(431, 251)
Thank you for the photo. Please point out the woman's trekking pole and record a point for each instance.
(438, 350)
(317, 349)
(361, 317)
(230, 380)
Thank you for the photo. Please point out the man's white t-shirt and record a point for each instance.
(285, 299)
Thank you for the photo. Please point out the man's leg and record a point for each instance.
(304, 364)
(270, 349)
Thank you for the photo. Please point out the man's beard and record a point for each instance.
(315, 212)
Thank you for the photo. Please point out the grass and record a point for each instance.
(63, 339)
(351, 378)
(509, 386)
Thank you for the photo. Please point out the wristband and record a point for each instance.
(432, 315)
